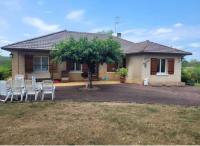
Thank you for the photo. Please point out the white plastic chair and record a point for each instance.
(5, 91)
(17, 89)
(48, 88)
(30, 89)
(19, 77)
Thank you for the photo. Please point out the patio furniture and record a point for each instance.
(30, 89)
(19, 77)
(5, 90)
(17, 89)
(48, 88)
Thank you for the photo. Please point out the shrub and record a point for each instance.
(122, 72)
(191, 75)
(4, 73)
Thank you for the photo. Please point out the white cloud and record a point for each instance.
(166, 34)
(100, 29)
(163, 30)
(175, 38)
(42, 26)
(178, 24)
(75, 15)
(4, 41)
(195, 45)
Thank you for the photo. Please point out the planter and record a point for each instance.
(122, 79)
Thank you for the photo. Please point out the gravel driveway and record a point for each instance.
(189, 96)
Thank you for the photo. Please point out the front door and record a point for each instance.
(95, 71)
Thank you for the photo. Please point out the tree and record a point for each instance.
(90, 52)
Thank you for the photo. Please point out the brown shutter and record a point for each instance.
(112, 67)
(154, 65)
(28, 63)
(84, 68)
(171, 66)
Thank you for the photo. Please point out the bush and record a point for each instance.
(122, 72)
(191, 75)
(4, 73)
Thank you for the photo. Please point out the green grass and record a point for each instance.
(98, 123)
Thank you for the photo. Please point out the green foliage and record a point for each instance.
(122, 72)
(191, 72)
(90, 52)
(5, 67)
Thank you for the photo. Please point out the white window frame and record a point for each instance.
(75, 70)
(162, 73)
(41, 63)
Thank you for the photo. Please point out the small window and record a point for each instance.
(40, 63)
(75, 67)
(161, 66)
(112, 67)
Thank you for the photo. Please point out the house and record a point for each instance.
(160, 64)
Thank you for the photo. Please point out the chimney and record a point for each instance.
(119, 35)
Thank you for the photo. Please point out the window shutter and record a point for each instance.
(154, 65)
(171, 66)
(84, 67)
(28, 63)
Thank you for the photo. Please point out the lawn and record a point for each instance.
(98, 123)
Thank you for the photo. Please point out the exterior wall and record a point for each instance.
(108, 75)
(75, 76)
(139, 68)
(167, 79)
(18, 64)
(18, 67)
(61, 67)
(134, 64)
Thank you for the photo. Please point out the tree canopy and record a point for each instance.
(90, 52)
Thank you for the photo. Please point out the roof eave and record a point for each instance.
(181, 54)
(22, 49)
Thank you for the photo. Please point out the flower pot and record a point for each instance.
(122, 79)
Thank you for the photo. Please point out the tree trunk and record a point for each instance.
(90, 76)
(90, 79)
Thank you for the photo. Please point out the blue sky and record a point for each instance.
(170, 22)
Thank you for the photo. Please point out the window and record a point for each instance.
(161, 66)
(75, 67)
(40, 63)
(158, 66)
(112, 67)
